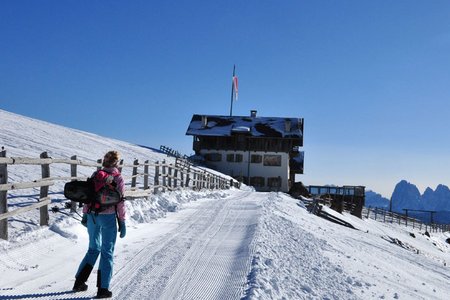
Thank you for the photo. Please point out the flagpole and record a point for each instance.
(232, 91)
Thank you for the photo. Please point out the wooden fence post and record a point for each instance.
(196, 179)
(146, 174)
(175, 175)
(44, 191)
(205, 180)
(156, 179)
(210, 181)
(3, 197)
(164, 175)
(134, 175)
(169, 181)
(182, 178)
(73, 173)
(188, 176)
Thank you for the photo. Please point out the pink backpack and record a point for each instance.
(106, 193)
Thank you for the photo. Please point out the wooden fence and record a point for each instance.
(171, 152)
(391, 217)
(143, 183)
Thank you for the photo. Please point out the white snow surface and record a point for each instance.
(232, 244)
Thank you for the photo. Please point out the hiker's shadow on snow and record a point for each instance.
(63, 295)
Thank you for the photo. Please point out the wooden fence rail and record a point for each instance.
(166, 176)
(392, 217)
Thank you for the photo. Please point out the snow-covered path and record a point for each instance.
(206, 257)
(203, 251)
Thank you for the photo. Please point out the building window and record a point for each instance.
(272, 160)
(257, 181)
(256, 159)
(274, 182)
(213, 157)
(234, 157)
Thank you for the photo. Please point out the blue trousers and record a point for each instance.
(102, 229)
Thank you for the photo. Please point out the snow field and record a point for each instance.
(233, 244)
(301, 256)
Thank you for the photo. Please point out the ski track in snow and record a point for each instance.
(207, 258)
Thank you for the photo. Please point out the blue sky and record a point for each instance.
(370, 78)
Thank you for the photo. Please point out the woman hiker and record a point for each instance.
(102, 228)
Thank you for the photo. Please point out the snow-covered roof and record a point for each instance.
(212, 125)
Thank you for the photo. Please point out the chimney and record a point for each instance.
(204, 121)
(287, 125)
(253, 113)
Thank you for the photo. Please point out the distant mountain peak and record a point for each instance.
(442, 188)
(407, 195)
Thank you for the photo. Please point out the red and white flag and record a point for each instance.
(235, 87)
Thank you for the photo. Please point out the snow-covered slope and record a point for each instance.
(26, 137)
(234, 244)
(23, 136)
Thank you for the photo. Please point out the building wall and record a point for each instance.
(250, 169)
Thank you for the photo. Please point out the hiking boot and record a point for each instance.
(79, 286)
(103, 293)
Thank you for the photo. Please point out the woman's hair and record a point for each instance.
(111, 159)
